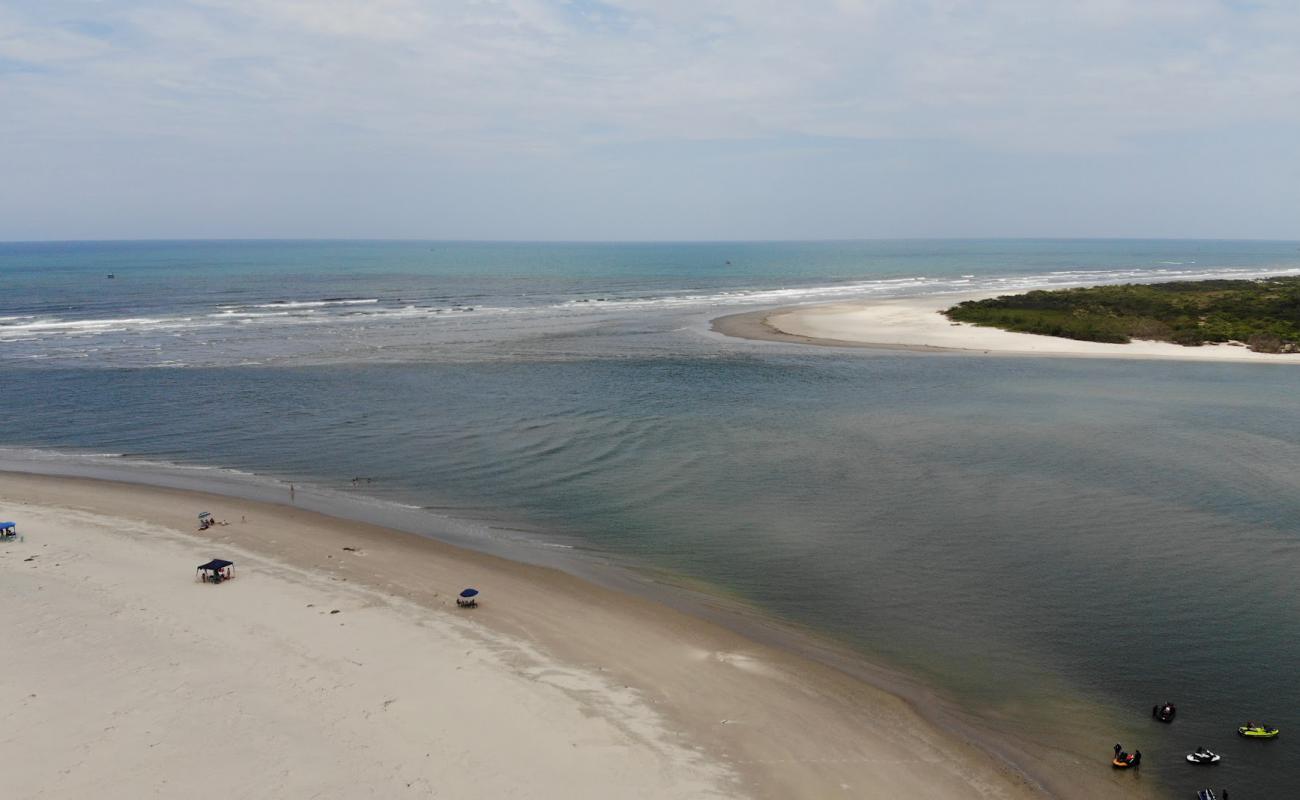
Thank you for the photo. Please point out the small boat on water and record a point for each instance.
(1203, 756)
(1164, 713)
(1261, 731)
(1206, 794)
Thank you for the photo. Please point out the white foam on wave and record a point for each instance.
(17, 328)
(82, 327)
(893, 286)
(318, 303)
(232, 314)
(358, 314)
(902, 287)
(87, 324)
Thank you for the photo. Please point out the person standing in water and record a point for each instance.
(290, 491)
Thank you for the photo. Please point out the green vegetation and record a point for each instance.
(1262, 314)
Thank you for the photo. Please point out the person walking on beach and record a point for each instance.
(290, 491)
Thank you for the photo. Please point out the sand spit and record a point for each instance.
(915, 323)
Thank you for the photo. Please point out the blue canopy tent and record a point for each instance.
(216, 571)
(9, 530)
(468, 598)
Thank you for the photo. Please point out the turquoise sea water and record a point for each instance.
(1055, 544)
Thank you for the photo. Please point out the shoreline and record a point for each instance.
(916, 324)
(128, 677)
(819, 728)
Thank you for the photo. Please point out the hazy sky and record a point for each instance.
(632, 119)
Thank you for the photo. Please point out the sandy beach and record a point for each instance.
(322, 671)
(915, 323)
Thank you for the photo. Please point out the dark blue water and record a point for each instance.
(1056, 544)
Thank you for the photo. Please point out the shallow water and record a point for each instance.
(1056, 544)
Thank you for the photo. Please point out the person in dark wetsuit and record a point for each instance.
(1137, 757)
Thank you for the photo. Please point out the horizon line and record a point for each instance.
(828, 240)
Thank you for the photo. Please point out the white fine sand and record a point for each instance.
(916, 323)
(124, 678)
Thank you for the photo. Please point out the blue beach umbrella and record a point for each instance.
(469, 593)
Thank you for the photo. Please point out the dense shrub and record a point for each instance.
(1265, 314)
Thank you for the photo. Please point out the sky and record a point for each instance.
(649, 119)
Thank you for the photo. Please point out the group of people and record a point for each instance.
(1131, 760)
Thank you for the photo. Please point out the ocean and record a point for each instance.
(1052, 545)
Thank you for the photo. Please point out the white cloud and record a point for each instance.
(488, 81)
(40, 46)
(1063, 73)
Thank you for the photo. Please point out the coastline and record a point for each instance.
(915, 324)
(816, 732)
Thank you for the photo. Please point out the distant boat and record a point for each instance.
(111, 275)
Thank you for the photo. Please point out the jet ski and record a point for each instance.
(1164, 713)
(1205, 794)
(1203, 756)
(1261, 731)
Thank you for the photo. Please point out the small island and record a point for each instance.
(1263, 314)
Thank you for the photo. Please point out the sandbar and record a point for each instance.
(917, 324)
